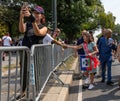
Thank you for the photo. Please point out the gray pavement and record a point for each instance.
(6, 62)
(56, 92)
(72, 90)
(101, 91)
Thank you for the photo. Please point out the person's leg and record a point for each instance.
(109, 63)
(103, 68)
(98, 71)
(91, 78)
(86, 79)
(86, 74)
(23, 75)
(23, 72)
(91, 81)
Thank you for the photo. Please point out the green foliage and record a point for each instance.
(72, 16)
(116, 32)
(78, 15)
(3, 29)
(117, 29)
(99, 35)
(9, 17)
(107, 20)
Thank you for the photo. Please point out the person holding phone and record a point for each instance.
(34, 31)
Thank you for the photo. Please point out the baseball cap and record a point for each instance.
(39, 9)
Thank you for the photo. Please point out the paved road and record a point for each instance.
(101, 91)
(5, 78)
(6, 62)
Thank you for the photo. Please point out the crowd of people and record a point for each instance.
(35, 32)
(102, 51)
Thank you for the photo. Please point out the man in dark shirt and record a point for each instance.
(105, 52)
(103, 33)
(80, 41)
(99, 68)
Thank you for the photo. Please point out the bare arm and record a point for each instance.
(24, 12)
(94, 52)
(59, 43)
(37, 31)
(75, 47)
(22, 27)
(56, 42)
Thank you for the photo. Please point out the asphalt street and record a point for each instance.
(101, 91)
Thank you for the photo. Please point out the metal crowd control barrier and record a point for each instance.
(34, 67)
(44, 60)
(41, 60)
(60, 55)
(10, 87)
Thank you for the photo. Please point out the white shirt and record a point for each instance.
(95, 39)
(6, 40)
(47, 39)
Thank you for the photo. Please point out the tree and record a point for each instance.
(9, 17)
(107, 20)
(76, 15)
(117, 29)
(73, 15)
(116, 32)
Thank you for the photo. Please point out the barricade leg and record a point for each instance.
(56, 78)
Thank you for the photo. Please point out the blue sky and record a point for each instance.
(114, 7)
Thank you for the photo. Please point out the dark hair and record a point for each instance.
(89, 37)
(91, 32)
(43, 19)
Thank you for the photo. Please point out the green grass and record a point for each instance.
(68, 63)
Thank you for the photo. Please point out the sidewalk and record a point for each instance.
(54, 91)
(57, 92)
(5, 65)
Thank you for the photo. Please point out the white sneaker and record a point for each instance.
(91, 86)
(87, 81)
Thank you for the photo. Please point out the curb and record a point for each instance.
(60, 93)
